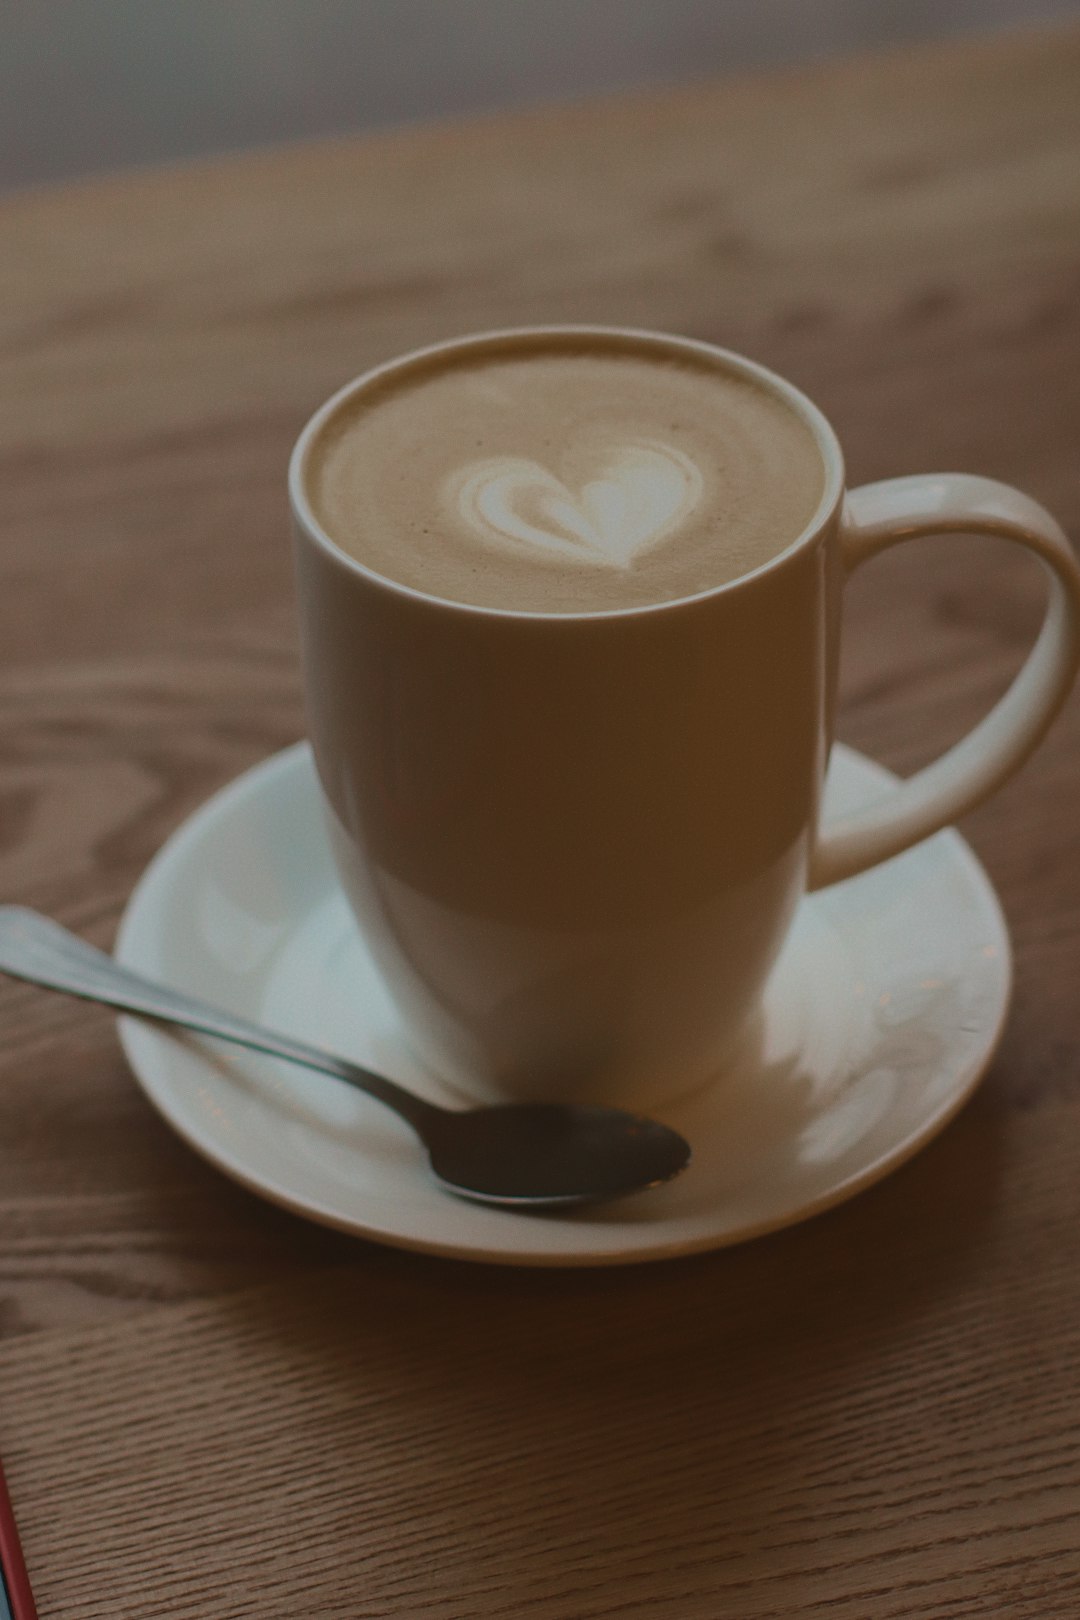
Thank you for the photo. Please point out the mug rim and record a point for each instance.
(810, 414)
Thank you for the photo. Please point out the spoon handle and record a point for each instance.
(35, 948)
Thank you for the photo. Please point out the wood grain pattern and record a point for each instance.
(789, 1429)
(205, 1404)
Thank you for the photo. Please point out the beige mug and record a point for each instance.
(575, 842)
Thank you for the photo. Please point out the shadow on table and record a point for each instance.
(680, 1432)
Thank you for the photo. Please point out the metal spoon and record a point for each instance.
(527, 1156)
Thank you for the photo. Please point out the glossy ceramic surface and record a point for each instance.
(878, 1021)
(575, 842)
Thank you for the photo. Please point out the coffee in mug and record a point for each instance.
(564, 475)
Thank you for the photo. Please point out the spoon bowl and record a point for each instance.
(563, 1154)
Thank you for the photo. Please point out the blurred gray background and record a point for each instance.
(91, 85)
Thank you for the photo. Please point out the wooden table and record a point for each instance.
(208, 1407)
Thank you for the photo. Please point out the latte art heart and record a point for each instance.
(573, 473)
(639, 496)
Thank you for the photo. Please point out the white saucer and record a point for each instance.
(880, 1017)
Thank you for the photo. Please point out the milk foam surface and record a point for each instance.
(565, 476)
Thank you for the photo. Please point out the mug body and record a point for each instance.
(574, 842)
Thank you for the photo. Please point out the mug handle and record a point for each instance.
(880, 515)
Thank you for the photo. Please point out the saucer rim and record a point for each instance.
(141, 1043)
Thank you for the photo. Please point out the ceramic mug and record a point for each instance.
(575, 842)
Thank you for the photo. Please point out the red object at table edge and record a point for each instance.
(16, 1579)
